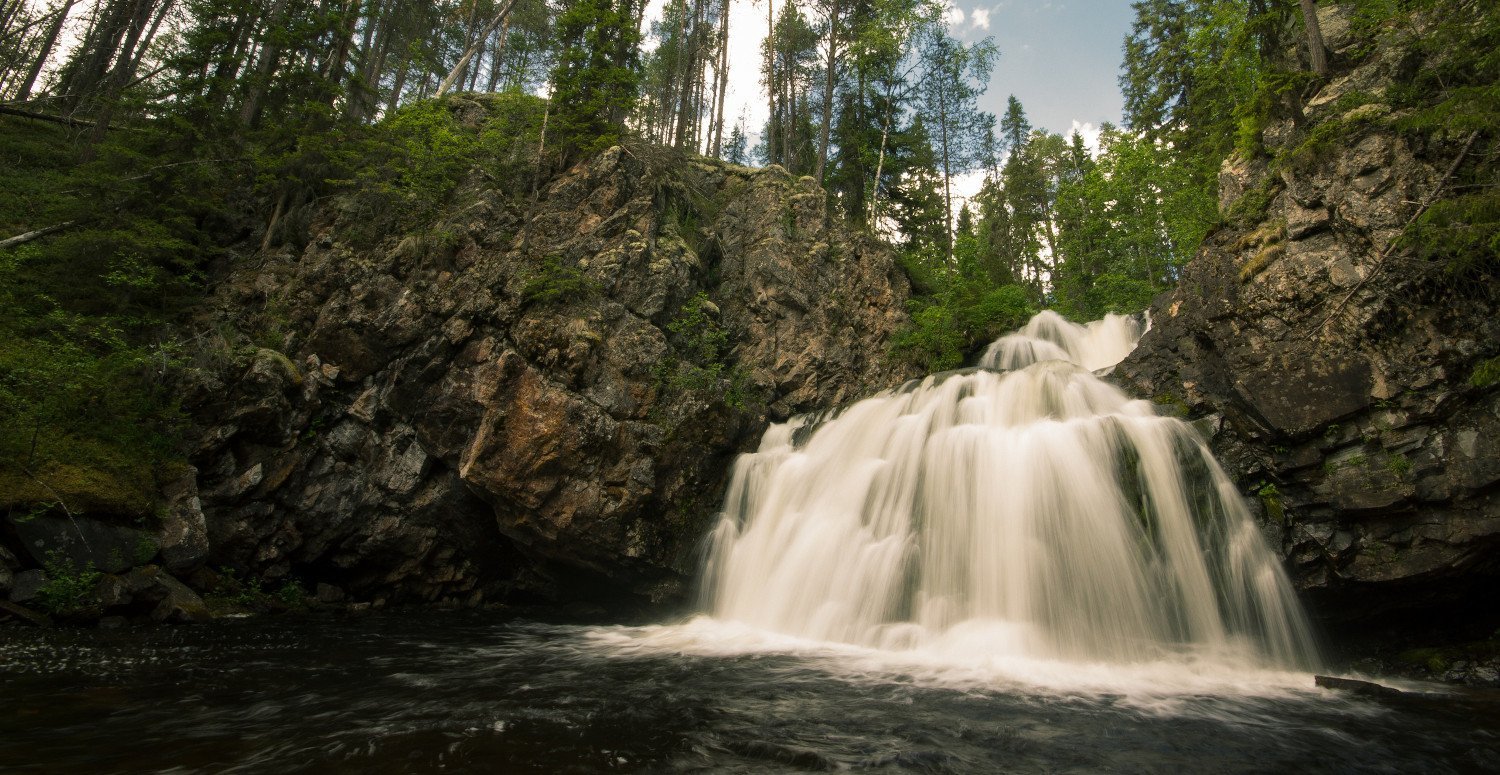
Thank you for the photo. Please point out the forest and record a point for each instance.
(145, 140)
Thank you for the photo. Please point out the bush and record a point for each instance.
(68, 589)
(697, 362)
(555, 283)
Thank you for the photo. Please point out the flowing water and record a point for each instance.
(1023, 510)
(1013, 568)
(419, 693)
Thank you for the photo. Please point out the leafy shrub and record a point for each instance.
(555, 283)
(697, 363)
(68, 588)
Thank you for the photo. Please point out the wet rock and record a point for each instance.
(13, 610)
(111, 591)
(328, 594)
(8, 567)
(167, 599)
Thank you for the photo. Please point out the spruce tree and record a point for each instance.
(595, 82)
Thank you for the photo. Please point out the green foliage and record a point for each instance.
(1270, 498)
(595, 82)
(88, 359)
(700, 346)
(402, 172)
(1399, 465)
(555, 283)
(69, 588)
(954, 313)
(1486, 373)
(230, 593)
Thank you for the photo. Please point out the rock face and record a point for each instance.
(1334, 363)
(539, 401)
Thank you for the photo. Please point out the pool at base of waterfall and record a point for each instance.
(468, 692)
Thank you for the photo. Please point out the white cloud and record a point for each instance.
(953, 13)
(1089, 132)
(980, 18)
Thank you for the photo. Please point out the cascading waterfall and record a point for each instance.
(1023, 508)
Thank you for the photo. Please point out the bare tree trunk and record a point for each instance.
(947, 175)
(1316, 50)
(145, 44)
(22, 239)
(49, 41)
(497, 57)
(99, 48)
(469, 54)
(833, 62)
(885, 133)
(395, 99)
(718, 127)
(770, 44)
(270, 54)
(121, 73)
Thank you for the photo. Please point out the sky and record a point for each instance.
(1060, 58)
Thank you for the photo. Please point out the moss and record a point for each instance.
(1173, 403)
(1434, 659)
(1261, 260)
(1270, 498)
(1486, 373)
(1254, 204)
(282, 362)
(120, 490)
(1399, 465)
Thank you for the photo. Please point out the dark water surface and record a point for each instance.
(467, 693)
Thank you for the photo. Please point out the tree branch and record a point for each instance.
(22, 239)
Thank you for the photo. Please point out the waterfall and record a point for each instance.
(1022, 508)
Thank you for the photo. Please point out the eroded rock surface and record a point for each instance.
(536, 404)
(1336, 364)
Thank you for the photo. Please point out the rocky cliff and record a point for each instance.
(537, 400)
(1338, 365)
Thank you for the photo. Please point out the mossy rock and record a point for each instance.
(84, 489)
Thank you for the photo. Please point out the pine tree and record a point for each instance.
(594, 85)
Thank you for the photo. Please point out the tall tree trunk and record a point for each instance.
(885, 133)
(947, 174)
(122, 71)
(497, 56)
(833, 64)
(1316, 50)
(463, 61)
(772, 157)
(100, 47)
(270, 55)
(395, 99)
(49, 41)
(723, 73)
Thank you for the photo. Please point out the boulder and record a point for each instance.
(26, 585)
(82, 542)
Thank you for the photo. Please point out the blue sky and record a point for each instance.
(1061, 58)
